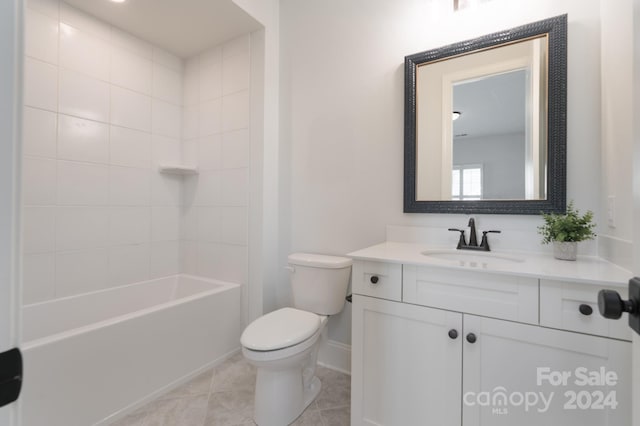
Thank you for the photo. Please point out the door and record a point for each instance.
(406, 364)
(10, 107)
(518, 374)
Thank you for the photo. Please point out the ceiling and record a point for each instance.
(183, 27)
(493, 105)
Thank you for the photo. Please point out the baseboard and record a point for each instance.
(336, 356)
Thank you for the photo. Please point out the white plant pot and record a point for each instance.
(565, 250)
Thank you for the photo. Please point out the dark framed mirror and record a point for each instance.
(485, 123)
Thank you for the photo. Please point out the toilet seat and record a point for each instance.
(280, 329)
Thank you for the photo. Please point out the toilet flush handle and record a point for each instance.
(290, 269)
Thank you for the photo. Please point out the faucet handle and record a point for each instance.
(462, 241)
(485, 243)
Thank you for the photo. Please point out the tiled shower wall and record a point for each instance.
(216, 137)
(102, 110)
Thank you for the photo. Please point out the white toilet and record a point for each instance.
(283, 344)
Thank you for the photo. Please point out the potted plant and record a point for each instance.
(566, 230)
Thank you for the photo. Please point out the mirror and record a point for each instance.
(485, 124)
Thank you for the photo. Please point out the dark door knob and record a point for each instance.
(374, 280)
(611, 305)
(453, 333)
(471, 338)
(586, 309)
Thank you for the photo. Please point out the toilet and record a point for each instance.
(283, 345)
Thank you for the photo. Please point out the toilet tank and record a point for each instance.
(319, 282)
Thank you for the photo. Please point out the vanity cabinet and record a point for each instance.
(457, 343)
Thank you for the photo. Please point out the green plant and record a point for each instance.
(567, 227)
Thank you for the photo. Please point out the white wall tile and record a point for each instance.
(209, 221)
(38, 277)
(165, 150)
(128, 264)
(235, 111)
(81, 271)
(167, 119)
(84, 22)
(48, 7)
(235, 149)
(189, 222)
(234, 225)
(237, 46)
(169, 60)
(211, 75)
(82, 184)
(129, 186)
(38, 181)
(40, 84)
(210, 121)
(84, 96)
(165, 259)
(189, 152)
(39, 134)
(223, 262)
(235, 73)
(166, 189)
(189, 257)
(131, 43)
(131, 71)
(191, 82)
(41, 36)
(82, 228)
(130, 109)
(38, 229)
(210, 152)
(234, 187)
(165, 223)
(129, 225)
(82, 140)
(130, 147)
(209, 188)
(83, 52)
(190, 120)
(167, 84)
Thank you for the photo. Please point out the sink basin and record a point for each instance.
(472, 258)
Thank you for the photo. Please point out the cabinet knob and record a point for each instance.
(586, 309)
(374, 279)
(471, 338)
(453, 333)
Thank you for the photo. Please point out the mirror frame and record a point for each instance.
(556, 30)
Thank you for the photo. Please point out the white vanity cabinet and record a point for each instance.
(448, 346)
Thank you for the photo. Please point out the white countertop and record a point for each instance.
(587, 269)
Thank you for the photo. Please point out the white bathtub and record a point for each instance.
(91, 358)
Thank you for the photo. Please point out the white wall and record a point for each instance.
(342, 113)
(216, 138)
(102, 108)
(615, 242)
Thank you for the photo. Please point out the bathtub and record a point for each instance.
(92, 358)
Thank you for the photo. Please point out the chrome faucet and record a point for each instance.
(473, 239)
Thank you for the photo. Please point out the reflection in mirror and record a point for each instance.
(485, 123)
(496, 137)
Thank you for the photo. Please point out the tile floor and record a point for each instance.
(223, 396)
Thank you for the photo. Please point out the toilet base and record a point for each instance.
(281, 400)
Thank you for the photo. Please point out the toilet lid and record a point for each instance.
(280, 329)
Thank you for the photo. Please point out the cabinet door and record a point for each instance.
(406, 369)
(511, 363)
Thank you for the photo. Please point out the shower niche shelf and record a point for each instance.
(178, 169)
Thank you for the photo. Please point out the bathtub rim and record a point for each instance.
(220, 287)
